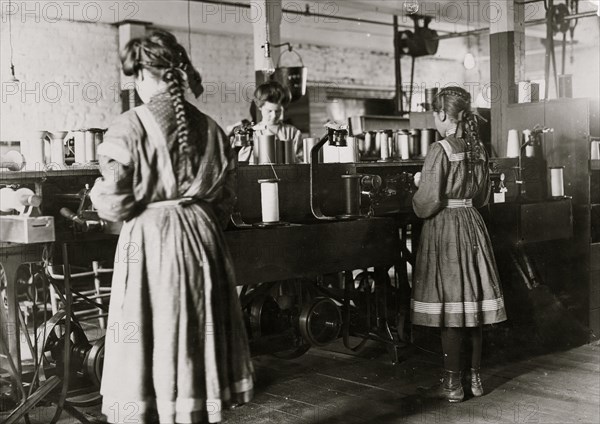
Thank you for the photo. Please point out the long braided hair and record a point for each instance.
(161, 55)
(456, 102)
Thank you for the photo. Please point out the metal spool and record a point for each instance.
(86, 362)
(320, 321)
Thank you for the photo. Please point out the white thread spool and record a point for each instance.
(368, 143)
(557, 185)
(513, 146)
(11, 200)
(403, 145)
(90, 145)
(385, 146)
(7, 199)
(12, 160)
(349, 153)
(57, 148)
(269, 200)
(33, 149)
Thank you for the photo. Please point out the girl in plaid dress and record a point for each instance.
(456, 285)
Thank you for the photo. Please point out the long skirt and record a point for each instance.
(456, 280)
(176, 345)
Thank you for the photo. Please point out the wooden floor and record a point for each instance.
(331, 386)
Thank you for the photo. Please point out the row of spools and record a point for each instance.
(397, 144)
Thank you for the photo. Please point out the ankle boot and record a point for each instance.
(476, 386)
(450, 388)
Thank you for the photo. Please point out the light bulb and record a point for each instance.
(469, 61)
(268, 67)
(411, 7)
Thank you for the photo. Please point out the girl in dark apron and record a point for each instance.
(176, 345)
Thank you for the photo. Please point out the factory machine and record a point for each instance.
(314, 246)
(322, 252)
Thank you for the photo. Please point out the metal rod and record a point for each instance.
(528, 1)
(412, 79)
(398, 68)
(564, 53)
(304, 13)
(542, 21)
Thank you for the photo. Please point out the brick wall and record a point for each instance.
(68, 76)
(229, 88)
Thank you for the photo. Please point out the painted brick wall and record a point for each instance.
(68, 75)
(227, 68)
(229, 87)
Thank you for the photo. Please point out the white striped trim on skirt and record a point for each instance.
(457, 307)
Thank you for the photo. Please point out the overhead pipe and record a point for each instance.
(307, 12)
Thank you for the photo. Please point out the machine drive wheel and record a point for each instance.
(86, 359)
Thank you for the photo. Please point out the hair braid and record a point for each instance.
(174, 80)
(160, 54)
(456, 102)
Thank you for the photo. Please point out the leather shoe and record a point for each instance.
(450, 388)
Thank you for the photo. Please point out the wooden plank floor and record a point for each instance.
(331, 386)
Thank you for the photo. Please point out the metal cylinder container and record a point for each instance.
(427, 138)
(267, 153)
(430, 94)
(352, 194)
(414, 146)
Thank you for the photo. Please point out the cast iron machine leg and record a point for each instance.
(382, 282)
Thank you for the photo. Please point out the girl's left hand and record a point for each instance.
(287, 133)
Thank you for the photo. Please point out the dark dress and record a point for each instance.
(456, 280)
(176, 344)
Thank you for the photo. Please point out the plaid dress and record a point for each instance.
(176, 344)
(456, 280)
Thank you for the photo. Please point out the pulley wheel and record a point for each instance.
(94, 361)
(265, 316)
(559, 12)
(51, 339)
(320, 321)
(83, 389)
(365, 281)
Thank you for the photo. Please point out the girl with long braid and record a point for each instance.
(456, 285)
(176, 344)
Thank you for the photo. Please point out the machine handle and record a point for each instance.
(72, 216)
(86, 224)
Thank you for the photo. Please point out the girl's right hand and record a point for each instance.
(417, 179)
